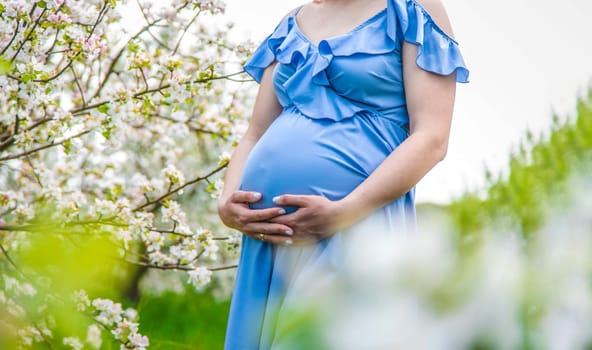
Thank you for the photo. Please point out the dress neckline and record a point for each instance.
(356, 28)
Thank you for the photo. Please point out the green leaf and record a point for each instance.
(106, 133)
(67, 146)
(5, 66)
(26, 77)
(42, 4)
(133, 47)
(103, 109)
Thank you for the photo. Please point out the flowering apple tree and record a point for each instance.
(115, 122)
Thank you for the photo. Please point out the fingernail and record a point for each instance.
(275, 199)
(288, 242)
(281, 211)
(288, 232)
(256, 195)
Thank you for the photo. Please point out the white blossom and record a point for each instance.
(73, 343)
(182, 254)
(81, 299)
(24, 212)
(199, 277)
(29, 334)
(109, 312)
(173, 175)
(158, 258)
(98, 139)
(139, 341)
(93, 336)
(154, 241)
(172, 211)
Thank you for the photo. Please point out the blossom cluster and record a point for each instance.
(116, 118)
(495, 289)
(110, 315)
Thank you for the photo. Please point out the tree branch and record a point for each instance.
(10, 261)
(78, 85)
(102, 13)
(42, 147)
(185, 32)
(9, 139)
(118, 56)
(78, 111)
(177, 267)
(16, 30)
(171, 192)
(29, 33)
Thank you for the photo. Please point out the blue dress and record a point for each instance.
(343, 113)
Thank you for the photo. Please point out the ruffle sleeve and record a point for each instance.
(437, 51)
(265, 53)
(307, 85)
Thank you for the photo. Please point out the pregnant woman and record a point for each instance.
(354, 107)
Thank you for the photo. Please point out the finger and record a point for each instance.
(290, 218)
(304, 240)
(249, 215)
(245, 197)
(273, 239)
(267, 229)
(292, 200)
(287, 219)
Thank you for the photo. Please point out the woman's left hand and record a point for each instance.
(317, 217)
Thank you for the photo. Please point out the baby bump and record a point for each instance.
(300, 155)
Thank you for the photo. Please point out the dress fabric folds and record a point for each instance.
(344, 112)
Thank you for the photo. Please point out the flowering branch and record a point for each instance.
(175, 190)
(161, 88)
(42, 147)
(29, 34)
(129, 115)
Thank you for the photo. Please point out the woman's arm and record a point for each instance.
(233, 206)
(430, 101)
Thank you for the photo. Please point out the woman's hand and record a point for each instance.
(234, 211)
(315, 219)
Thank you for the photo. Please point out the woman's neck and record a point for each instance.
(332, 1)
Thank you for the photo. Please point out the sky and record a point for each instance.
(528, 59)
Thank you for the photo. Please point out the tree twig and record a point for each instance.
(16, 30)
(185, 32)
(29, 33)
(42, 147)
(78, 85)
(173, 191)
(150, 91)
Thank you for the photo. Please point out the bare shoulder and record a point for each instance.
(291, 12)
(438, 13)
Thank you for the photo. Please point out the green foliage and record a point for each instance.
(56, 262)
(5, 66)
(189, 321)
(537, 182)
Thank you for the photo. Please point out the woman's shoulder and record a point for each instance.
(437, 11)
(292, 12)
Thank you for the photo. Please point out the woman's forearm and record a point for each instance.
(234, 171)
(265, 111)
(397, 174)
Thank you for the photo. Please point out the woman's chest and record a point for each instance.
(359, 77)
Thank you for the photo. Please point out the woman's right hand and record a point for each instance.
(234, 211)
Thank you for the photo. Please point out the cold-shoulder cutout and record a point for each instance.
(438, 14)
(437, 52)
(402, 20)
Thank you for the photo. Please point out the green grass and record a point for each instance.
(188, 321)
(538, 181)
